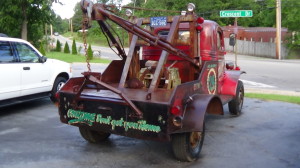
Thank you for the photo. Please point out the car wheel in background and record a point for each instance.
(58, 84)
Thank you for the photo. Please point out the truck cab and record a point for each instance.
(210, 48)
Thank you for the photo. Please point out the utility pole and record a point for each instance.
(51, 31)
(278, 29)
(71, 26)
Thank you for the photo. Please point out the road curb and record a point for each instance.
(231, 56)
(269, 91)
(84, 63)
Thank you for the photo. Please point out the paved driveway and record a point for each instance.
(267, 134)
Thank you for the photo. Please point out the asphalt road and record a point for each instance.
(267, 134)
(269, 73)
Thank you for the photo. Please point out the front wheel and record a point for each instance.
(187, 146)
(93, 136)
(235, 105)
(58, 84)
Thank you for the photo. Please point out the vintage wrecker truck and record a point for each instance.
(172, 76)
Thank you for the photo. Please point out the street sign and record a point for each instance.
(236, 13)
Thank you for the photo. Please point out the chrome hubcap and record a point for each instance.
(195, 139)
(60, 85)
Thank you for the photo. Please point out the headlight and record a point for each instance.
(191, 7)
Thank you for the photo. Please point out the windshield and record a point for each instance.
(182, 38)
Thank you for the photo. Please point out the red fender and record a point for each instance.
(230, 82)
(196, 109)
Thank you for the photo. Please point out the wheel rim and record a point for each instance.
(60, 85)
(241, 99)
(195, 139)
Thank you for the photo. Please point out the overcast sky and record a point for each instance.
(66, 10)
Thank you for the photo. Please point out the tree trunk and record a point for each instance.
(24, 30)
(25, 22)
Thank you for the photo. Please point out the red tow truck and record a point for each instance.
(172, 76)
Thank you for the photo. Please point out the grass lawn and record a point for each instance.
(98, 40)
(284, 98)
(93, 40)
(73, 58)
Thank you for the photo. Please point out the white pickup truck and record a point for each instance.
(25, 74)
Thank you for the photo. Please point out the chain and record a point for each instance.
(84, 23)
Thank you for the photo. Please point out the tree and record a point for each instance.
(290, 14)
(58, 46)
(42, 50)
(24, 18)
(66, 48)
(60, 25)
(74, 49)
(90, 52)
(77, 18)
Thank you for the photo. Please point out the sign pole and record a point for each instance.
(236, 14)
(235, 46)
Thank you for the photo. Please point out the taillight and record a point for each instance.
(199, 27)
(200, 20)
(176, 110)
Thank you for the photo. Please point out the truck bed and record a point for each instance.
(161, 96)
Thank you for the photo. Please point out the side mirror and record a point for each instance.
(229, 65)
(42, 59)
(232, 39)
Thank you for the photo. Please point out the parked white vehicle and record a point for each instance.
(25, 74)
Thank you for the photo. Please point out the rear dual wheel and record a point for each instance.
(93, 136)
(187, 146)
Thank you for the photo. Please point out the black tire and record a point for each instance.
(58, 83)
(235, 105)
(187, 146)
(93, 136)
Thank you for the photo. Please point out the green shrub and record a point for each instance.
(66, 48)
(90, 52)
(42, 50)
(58, 46)
(79, 49)
(74, 49)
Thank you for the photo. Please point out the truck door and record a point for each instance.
(34, 74)
(10, 73)
(221, 53)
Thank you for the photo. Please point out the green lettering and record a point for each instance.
(98, 118)
(90, 118)
(126, 126)
(81, 117)
(212, 66)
